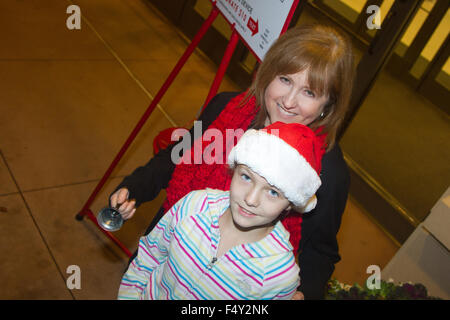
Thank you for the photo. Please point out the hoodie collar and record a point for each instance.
(275, 243)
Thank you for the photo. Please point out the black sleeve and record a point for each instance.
(318, 250)
(145, 183)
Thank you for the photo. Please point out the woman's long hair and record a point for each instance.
(327, 56)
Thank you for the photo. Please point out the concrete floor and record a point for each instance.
(69, 99)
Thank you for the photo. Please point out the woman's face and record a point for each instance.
(289, 99)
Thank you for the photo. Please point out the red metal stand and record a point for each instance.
(86, 211)
(222, 67)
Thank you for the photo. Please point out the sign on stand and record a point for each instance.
(258, 22)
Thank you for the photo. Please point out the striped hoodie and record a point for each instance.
(177, 260)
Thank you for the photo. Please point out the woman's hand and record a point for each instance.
(298, 296)
(126, 207)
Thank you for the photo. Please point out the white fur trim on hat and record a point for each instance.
(280, 164)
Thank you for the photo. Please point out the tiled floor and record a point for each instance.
(68, 104)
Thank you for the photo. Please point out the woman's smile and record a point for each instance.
(283, 110)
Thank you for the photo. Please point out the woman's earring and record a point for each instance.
(322, 115)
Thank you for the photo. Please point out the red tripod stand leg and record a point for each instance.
(194, 43)
(222, 67)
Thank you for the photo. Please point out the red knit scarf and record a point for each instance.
(190, 177)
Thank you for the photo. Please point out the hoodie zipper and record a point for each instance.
(211, 263)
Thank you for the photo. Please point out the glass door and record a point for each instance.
(398, 141)
(436, 83)
(421, 57)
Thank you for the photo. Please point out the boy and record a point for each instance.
(215, 244)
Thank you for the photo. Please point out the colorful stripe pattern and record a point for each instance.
(177, 260)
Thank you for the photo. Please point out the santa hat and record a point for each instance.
(288, 156)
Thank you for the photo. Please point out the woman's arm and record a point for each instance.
(319, 250)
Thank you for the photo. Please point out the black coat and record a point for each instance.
(318, 249)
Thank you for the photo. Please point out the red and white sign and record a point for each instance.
(258, 22)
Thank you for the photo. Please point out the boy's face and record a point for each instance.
(253, 202)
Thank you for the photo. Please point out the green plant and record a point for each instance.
(388, 291)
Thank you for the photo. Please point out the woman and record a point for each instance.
(306, 77)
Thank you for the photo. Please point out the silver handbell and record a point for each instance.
(110, 219)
